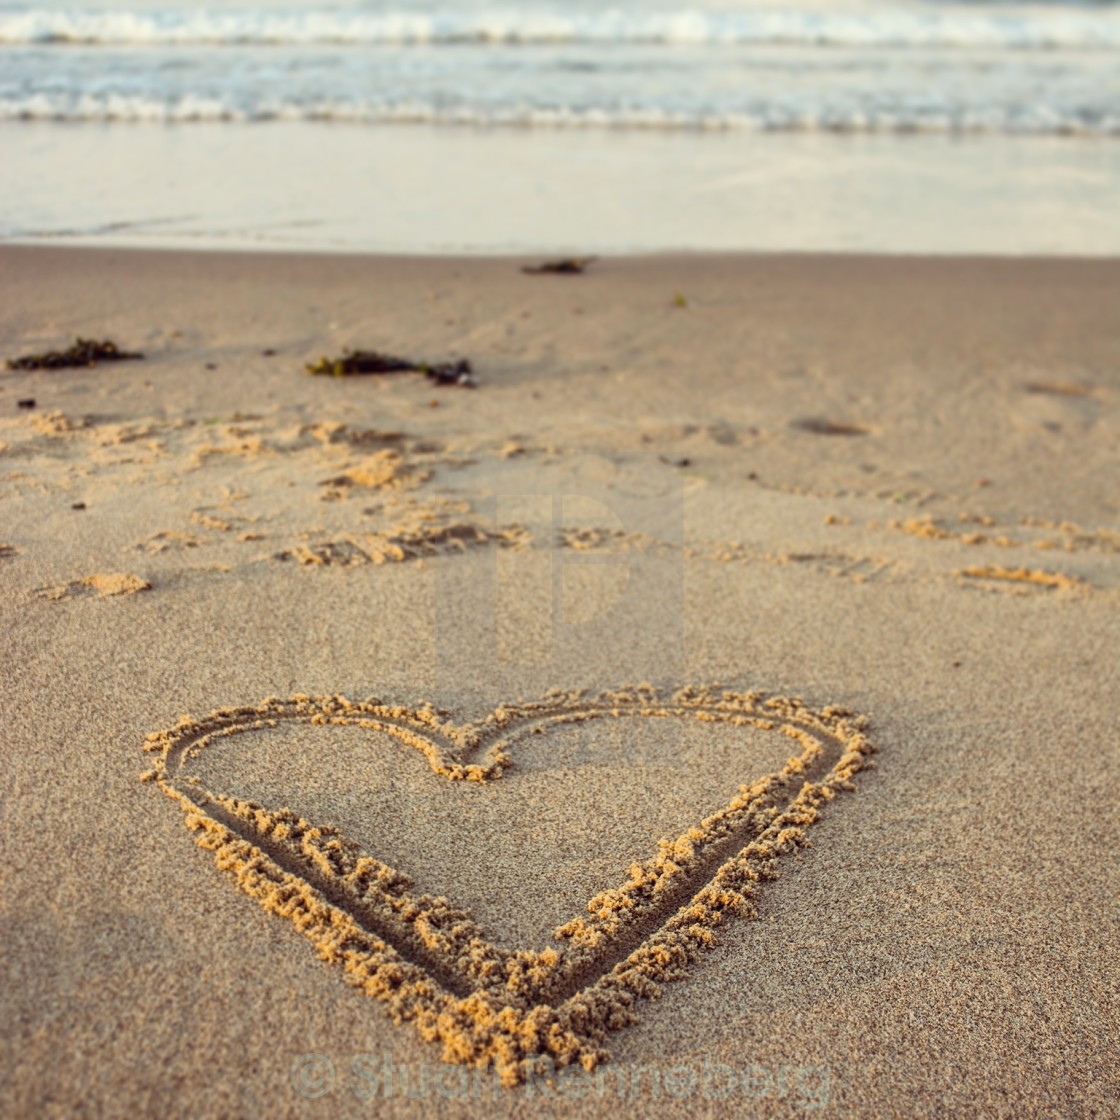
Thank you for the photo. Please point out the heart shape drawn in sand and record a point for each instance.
(429, 961)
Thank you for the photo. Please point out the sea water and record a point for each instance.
(478, 125)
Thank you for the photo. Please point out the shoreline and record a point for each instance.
(414, 188)
(519, 257)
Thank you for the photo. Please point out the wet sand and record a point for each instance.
(770, 604)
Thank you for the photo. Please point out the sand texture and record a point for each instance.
(712, 713)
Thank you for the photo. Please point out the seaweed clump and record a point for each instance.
(354, 362)
(567, 266)
(84, 352)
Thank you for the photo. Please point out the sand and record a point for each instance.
(711, 713)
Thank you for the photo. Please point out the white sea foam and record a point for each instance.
(861, 66)
(804, 115)
(957, 25)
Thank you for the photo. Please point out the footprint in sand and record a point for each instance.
(1060, 388)
(860, 569)
(1022, 580)
(100, 585)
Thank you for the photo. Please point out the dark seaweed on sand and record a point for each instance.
(568, 266)
(354, 362)
(84, 352)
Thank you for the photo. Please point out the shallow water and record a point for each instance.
(483, 126)
(426, 189)
(859, 66)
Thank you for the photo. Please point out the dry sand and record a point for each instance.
(624, 624)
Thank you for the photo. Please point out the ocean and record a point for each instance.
(473, 125)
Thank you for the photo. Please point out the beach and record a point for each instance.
(697, 516)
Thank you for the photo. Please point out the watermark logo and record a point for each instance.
(375, 1077)
(581, 565)
(312, 1076)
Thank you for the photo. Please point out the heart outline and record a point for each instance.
(429, 961)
